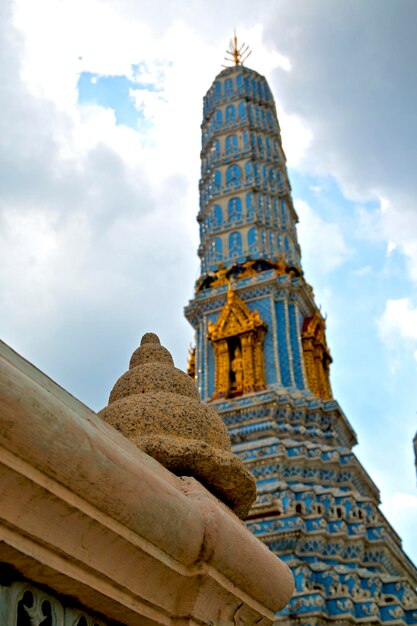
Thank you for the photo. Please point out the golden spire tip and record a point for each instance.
(237, 55)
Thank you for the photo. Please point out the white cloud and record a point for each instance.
(395, 224)
(401, 510)
(85, 193)
(297, 138)
(363, 271)
(322, 243)
(88, 35)
(397, 327)
(354, 87)
(399, 227)
(398, 321)
(96, 231)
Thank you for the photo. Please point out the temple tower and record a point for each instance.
(262, 361)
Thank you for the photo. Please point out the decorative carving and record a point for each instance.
(237, 339)
(317, 357)
(239, 271)
(247, 269)
(220, 276)
(281, 268)
(28, 605)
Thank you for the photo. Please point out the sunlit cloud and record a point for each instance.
(322, 243)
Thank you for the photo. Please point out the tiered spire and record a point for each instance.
(246, 211)
(262, 360)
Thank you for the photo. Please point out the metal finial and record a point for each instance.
(236, 55)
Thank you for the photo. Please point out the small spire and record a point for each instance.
(191, 362)
(236, 55)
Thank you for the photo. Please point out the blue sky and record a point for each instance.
(115, 93)
(100, 163)
(110, 92)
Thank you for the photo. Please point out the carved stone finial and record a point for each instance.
(150, 338)
(158, 407)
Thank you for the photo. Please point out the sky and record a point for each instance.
(100, 113)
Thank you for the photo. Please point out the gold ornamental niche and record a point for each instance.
(317, 357)
(237, 338)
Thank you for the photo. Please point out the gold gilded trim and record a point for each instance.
(317, 357)
(237, 339)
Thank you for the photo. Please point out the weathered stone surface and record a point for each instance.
(163, 413)
(158, 408)
(151, 377)
(86, 514)
(150, 350)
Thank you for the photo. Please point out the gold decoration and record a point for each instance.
(281, 268)
(237, 339)
(317, 357)
(248, 269)
(191, 362)
(239, 271)
(220, 278)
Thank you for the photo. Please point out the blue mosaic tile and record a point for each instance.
(263, 306)
(338, 531)
(295, 346)
(283, 353)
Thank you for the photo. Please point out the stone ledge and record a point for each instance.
(85, 512)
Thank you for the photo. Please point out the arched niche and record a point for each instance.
(317, 357)
(237, 338)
